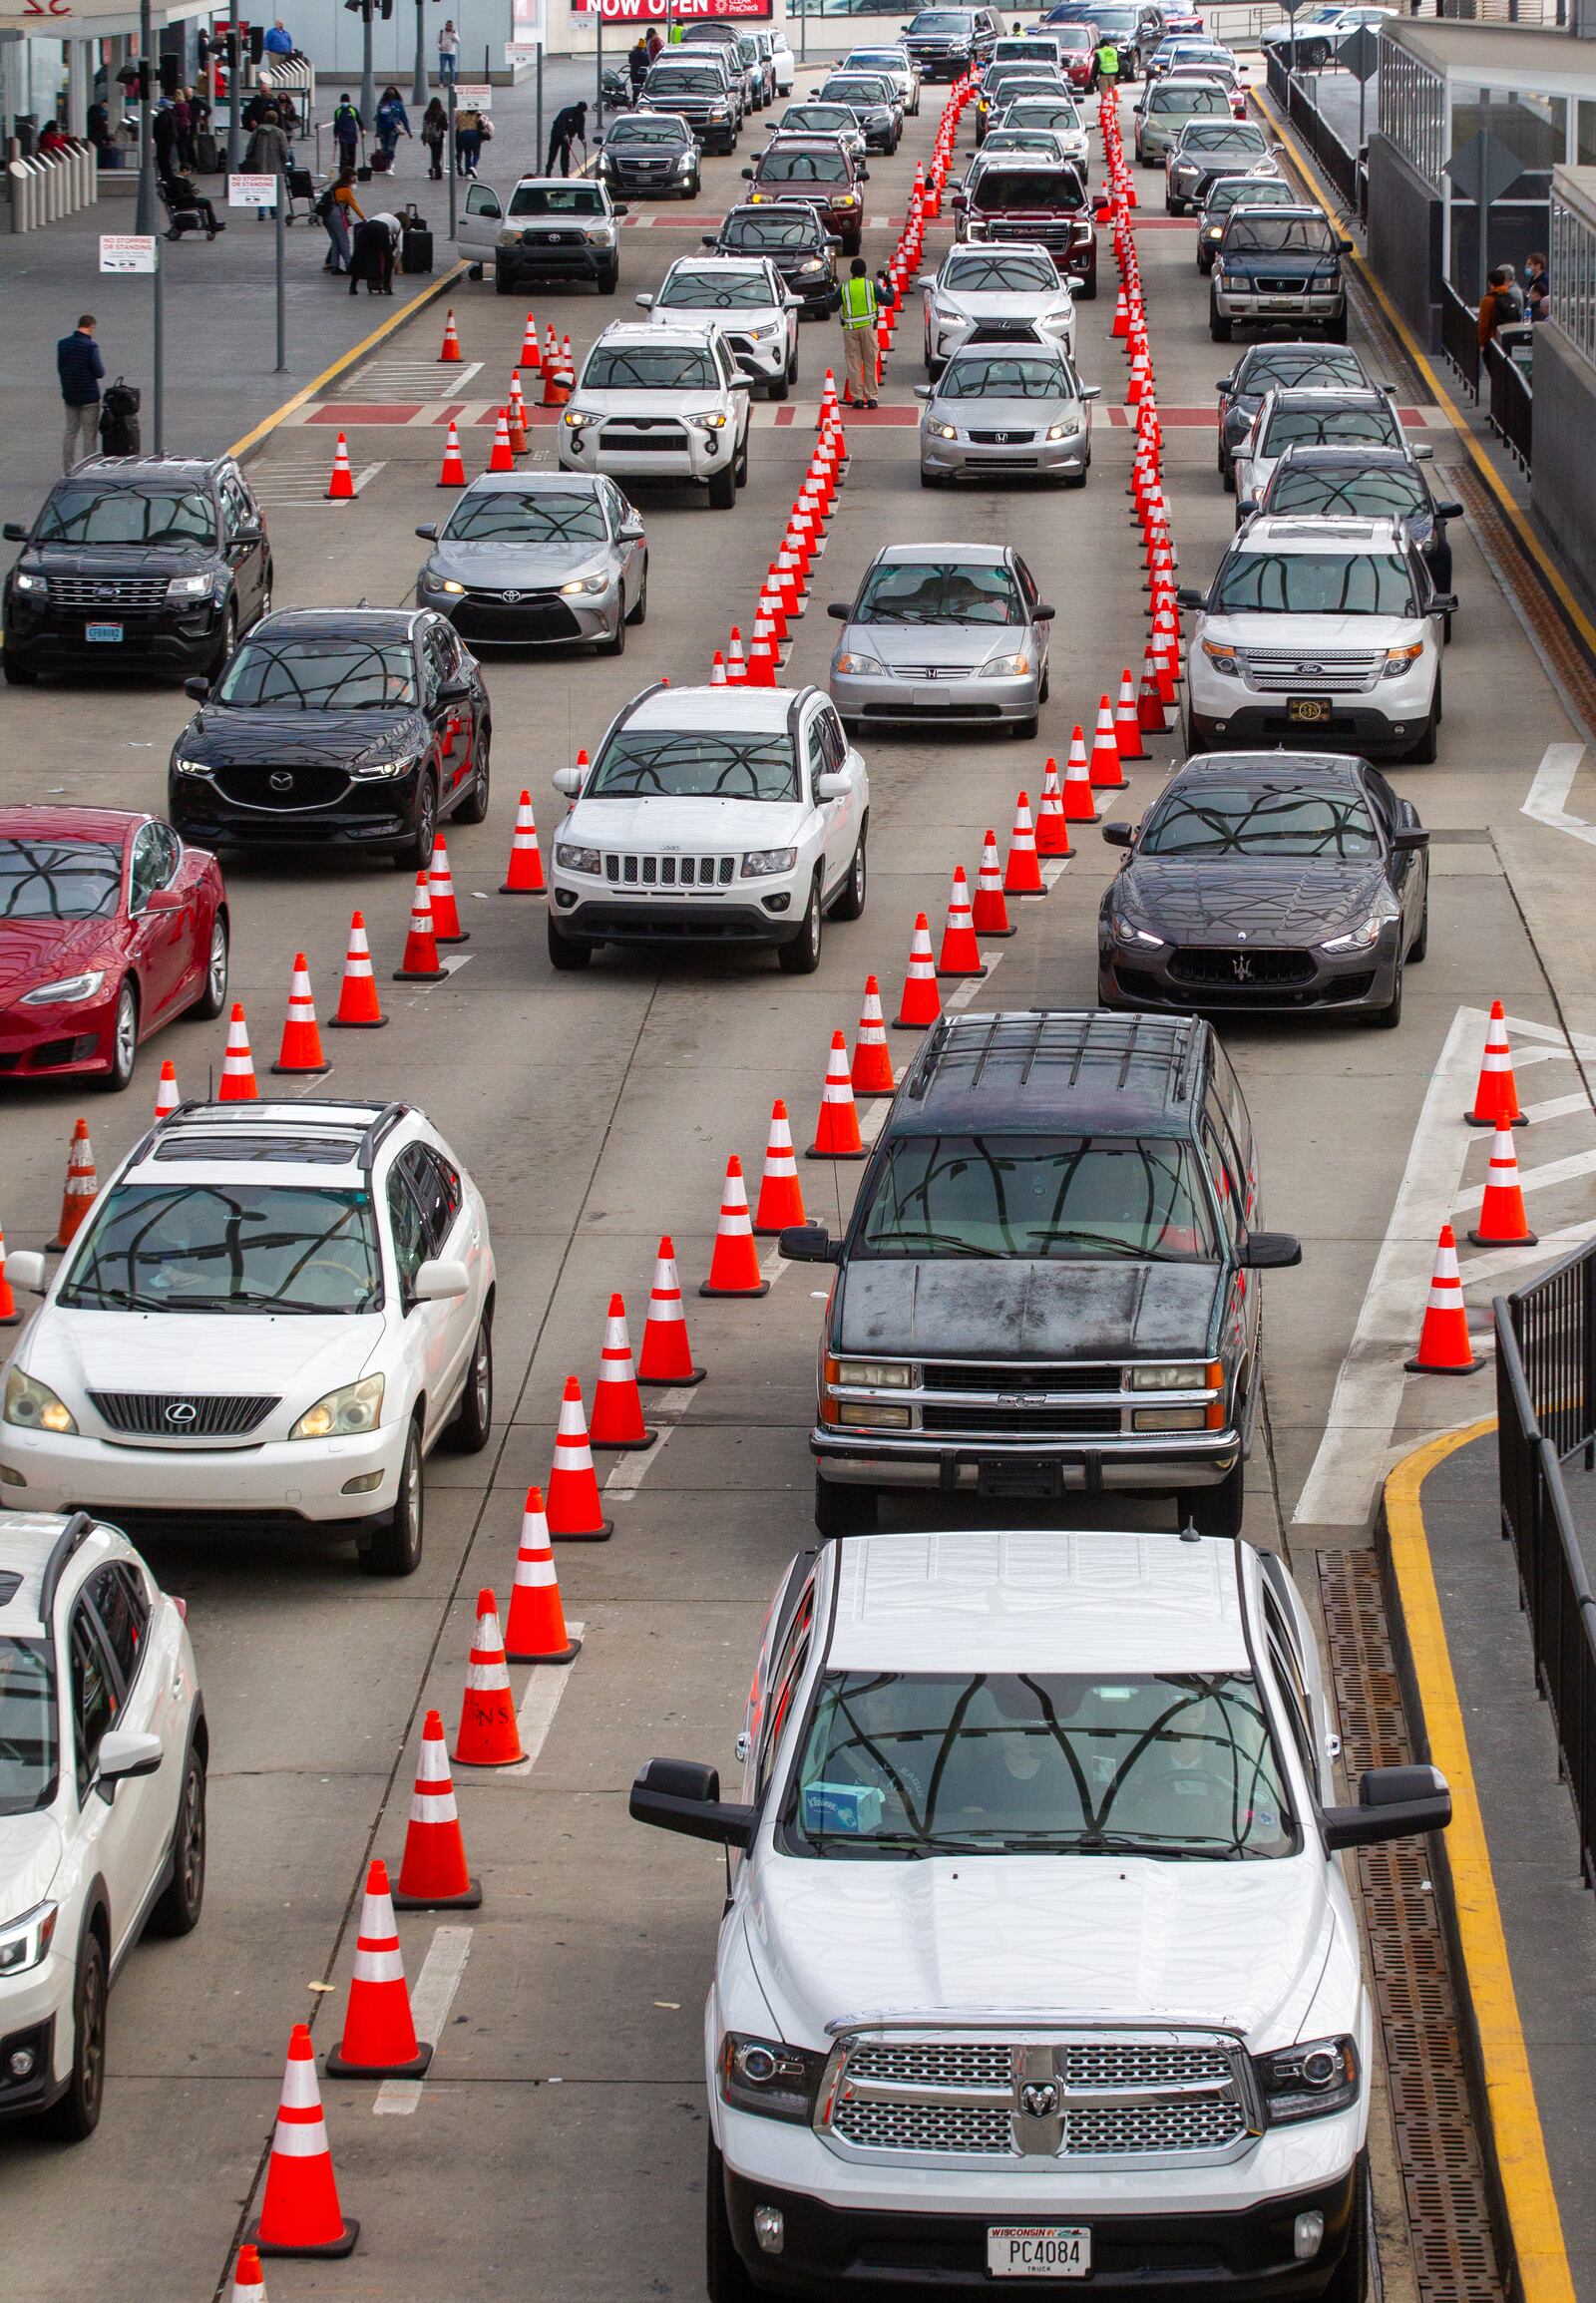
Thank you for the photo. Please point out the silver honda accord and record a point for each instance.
(529, 557)
(1009, 408)
(943, 633)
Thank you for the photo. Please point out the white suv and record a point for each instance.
(744, 296)
(1328, 631)
(1038, 1962)
(272, 1310)
(103, 1750)
(660, 403)
(718, 814)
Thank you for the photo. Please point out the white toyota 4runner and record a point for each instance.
(1038, 1962)
(659, 403)
(731, 815)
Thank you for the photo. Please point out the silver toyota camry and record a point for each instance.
(950, 634)
(1013, 288)
(1010, 408)
(537, 557)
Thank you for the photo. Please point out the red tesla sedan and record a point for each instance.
(110, 926)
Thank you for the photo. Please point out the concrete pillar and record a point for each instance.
(78, 73)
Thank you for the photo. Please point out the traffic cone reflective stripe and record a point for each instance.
(990, 911)
(616, 1409)
(1127, 720)
(10, 1317)
(1079, 807)
(237, 1066)
(872, 1065)
(1052, 831)
(555, 394)
(299, 2213)
(1503, 1222)
(922, 1001)
(666, 1355)
(960, 953)
(379, 2031)
(575, 1515)
(526, 864)
(781, 1198)
(302, 1041)
(1496, 1094)
(501, 458)
(489, 1736)
(420, 964)
(836, 1130)
(536, 1631)
(762, 654)
(1443, 1341)
(737, 662)
(433, 1875)
(445, 928)
(1106, 773)
(451, 337)
(1022, 873)
(77, 1195)
(342, 483)
(166, 1097)
(453, 473)
(734, 1265)
(358, 1009)
(248, 2281)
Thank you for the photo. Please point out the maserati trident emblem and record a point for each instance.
(1038, 2099)
(182, 1413)
(1242, 967)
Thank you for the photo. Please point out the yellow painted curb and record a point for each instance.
(1517, 2143)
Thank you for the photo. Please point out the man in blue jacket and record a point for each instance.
(79, 367)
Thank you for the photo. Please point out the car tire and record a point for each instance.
(1336, 329)
(1388, 1018)
(213, 999)
(722, 489)
(727, 2278)
(1205, 262)
(1418, 949)
(843, 1511)
(849, 902)
(639, 606)
(615, 644)
(1215, 1510)
(503, 281)
(609, 281)
(1350, 2280)
(182, 1899)
(416, 854)
(1313, 57)
(565, 954)
(1087, 293)
(75, 2116)
(229, 637)
(851, 243)
(1024, 731)
(740, 463)
(264, 609)
(393, 1546)
(124, 1040)
(1219, 328)
(472, 1425)
(802, 955)
(932, 478)
(1173, 207)
(473, 808)
(778, 389)
(1422, 754)
(18, 674)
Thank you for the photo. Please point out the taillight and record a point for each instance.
(181, 1605)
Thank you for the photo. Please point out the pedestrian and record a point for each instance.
(339, 209)
(278, 41)
(52, 138)
(392, 122)
(96, 127)
(1537, 288)
(1496, 306)
(859, 309)
(468, 140)
(181, 192)
(448, 54)
(347, 130)
(371, 259)
(655, 44)
(1107, 63)
(435, 135)
(637, 61)
(267, 156)
(163, 135)
(80, 368)
(570, 127)
(182, 120)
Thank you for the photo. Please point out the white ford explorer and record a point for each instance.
(730, 815)
(660, 403)
(1038, 1963)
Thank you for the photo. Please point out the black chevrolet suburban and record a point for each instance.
(1045, 1284)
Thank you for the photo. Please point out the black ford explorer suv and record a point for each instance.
(154, 561)
(1044, 1284)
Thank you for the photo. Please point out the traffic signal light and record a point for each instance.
(257, 42)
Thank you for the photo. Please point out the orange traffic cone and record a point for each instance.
(616, 1409)
(1443, 1341)
(453, 474)
(575, 1515)
(536, 1631)
(717, 671)
(10, 1317)
(302, 1041)
(445, 928)
(961, 953)
(1496, 1094)
(1502, 1221)
(379, 2031)
(555, 391)
(420, 964)
(342, 484)
(166, 1097)
(249, 2280)
(1149, 698)
(78, 1193)
(567, 366)
(358, 1009)
(1022, 873)
(922, 1001)
(1106, 773)
(872, 1065)
(737, 662)
(526, 864)
(990, 911)
(735, 1266)
(451, 337)
(666, 1355)
(531, 357)
(237, 1066)
(1052, 831)
(762, 654)
(550, 349)
(489, 1736)
(781, 1198)
(837, 1129)
(516, 415)
(501, 457)
(433, 1875)
(300, 2214)
(1127, 720)
(1079, 807)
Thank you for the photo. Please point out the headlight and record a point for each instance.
(1362, 937)
(352, 1407)
(861, 666)
(442, 583)
(683, 160)
(1063, 430)
(190, 768)
(941, 431)
(1309, 2081)
(768, 2077)
(717, 112)
(1213, 232)
(1400, 660)
(579, 858)
(1126, 933)
(508, 237)
(1006, 668)
(764, 334)
(34, 1407)
(846, 199)
(873, 1374)
(762, 863)
(601, 234)
(26, 1940)
(188, 588)
(714, 423)
(584, 584)
(381, 769)
(577, 417)
(27, 582)
(811, 266)
(1235, 283)
(66, 991)
(1173, 1376)
(1222, 659)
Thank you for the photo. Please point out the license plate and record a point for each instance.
(997, 1479)
(111, 631)
(1280, 303)
(1038, 2251)
(929, 702)
(1308, 711)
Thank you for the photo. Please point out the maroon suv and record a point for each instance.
(820, 171)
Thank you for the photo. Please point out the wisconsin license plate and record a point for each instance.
(1308, 711)
(111, 631)
(1038, 2251)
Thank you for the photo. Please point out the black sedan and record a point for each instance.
(1260, 884)
(650, 155)
(796, 240)
(363, 726)
(1364, 483)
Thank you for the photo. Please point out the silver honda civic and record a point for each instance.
(943, 634)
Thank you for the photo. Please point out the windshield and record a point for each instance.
(215, 1248)
(1001, 276)
(1228, 820)
(1076, 38)
(796, 230)
(88, 514)
(301, 672)
(637, 764)
(1000, 376)
(939, 591)
(1315, 584)
(44, 879)
(1385, 492)
(556, 199)
(27, 1727)
(1282, 235)
(534, 517)
(941, 20)
(1028, 187)
(707, 290)
(1070, 1197)
(1042, 111)
(906, 1764)
(1243, 192)
(803, 167)
(1174, 95)
(1320, 426)
(819, 120)
(1288, 368)
(649, 127)
(650, 368)
(1037, 139)
(686, 79)
(853, 91)
(1215, 137)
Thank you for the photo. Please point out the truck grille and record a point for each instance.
(107, 591)
(978, 1375)
(1340, 671)
(284, 787)
(645, 435)
(1025, 1422)
(1228, 967)
(183, 1415)
(670, 870)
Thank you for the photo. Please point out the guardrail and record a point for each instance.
(1546, 1382)
(1292, 95)
(1511, 406)
(1459, 337)
(51, 184)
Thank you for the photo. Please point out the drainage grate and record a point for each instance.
(1454, 2252)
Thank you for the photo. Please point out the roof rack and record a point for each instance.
(68, 1543)
(1066, 1036)
(386, 1119)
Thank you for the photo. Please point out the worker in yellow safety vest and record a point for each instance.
(859, 310)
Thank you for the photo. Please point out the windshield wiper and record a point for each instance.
(123, 1299)
(1133, 1843)
(933, 1243)
(250, 1298)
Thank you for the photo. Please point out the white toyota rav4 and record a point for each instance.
(1038, 1962)
(731, 815)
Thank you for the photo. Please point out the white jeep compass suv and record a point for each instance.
(1038, 1962)
(660, 403)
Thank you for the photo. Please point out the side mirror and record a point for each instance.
(567, 780)
(1346, 247)
(428, 531)
(25, 1269)
(1271, 1252)
(643, 303)
(839, 611)
(830, 785)
(960, 198)
(1410, 843)
(682, 1795)
(631, 532)
(712, 240)
(1042, 612)
(1422, 453)
(454, 692)
(620, 208)
(921, 391)
(198, 687)
(1091, 391)
(1189, 596)
(1119, 834)
(1074, 281)
(250, 532)
(163, 900)
(1224, 383)
(440, 1280)
(14, 532)
(1393, 1803)
(1443, 603)
(863, 175)
(1448, 511)
(809, 1244)
(125, 1752)
(748, 176)
(833, 242)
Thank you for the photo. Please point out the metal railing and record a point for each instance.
(1511, 404)
(1459, 337)
(1292, 95)
(51, 184)
(1546, 1387)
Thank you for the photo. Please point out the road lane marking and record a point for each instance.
(537, 1713)
(430, 2001)
(1539, 1179)
(626, 1476)
(972, 984)
(1547, 801)
(1519, 1262)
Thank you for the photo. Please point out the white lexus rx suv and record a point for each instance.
(660, 403)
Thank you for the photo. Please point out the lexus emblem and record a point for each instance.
(182, 1413)
(1038, 2099)
(282, 780)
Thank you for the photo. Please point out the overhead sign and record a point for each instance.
(126, 251)
(251, 191)
(477, 98)
(683, 11)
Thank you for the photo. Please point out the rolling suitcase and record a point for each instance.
(207, 155)
(415, 248)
